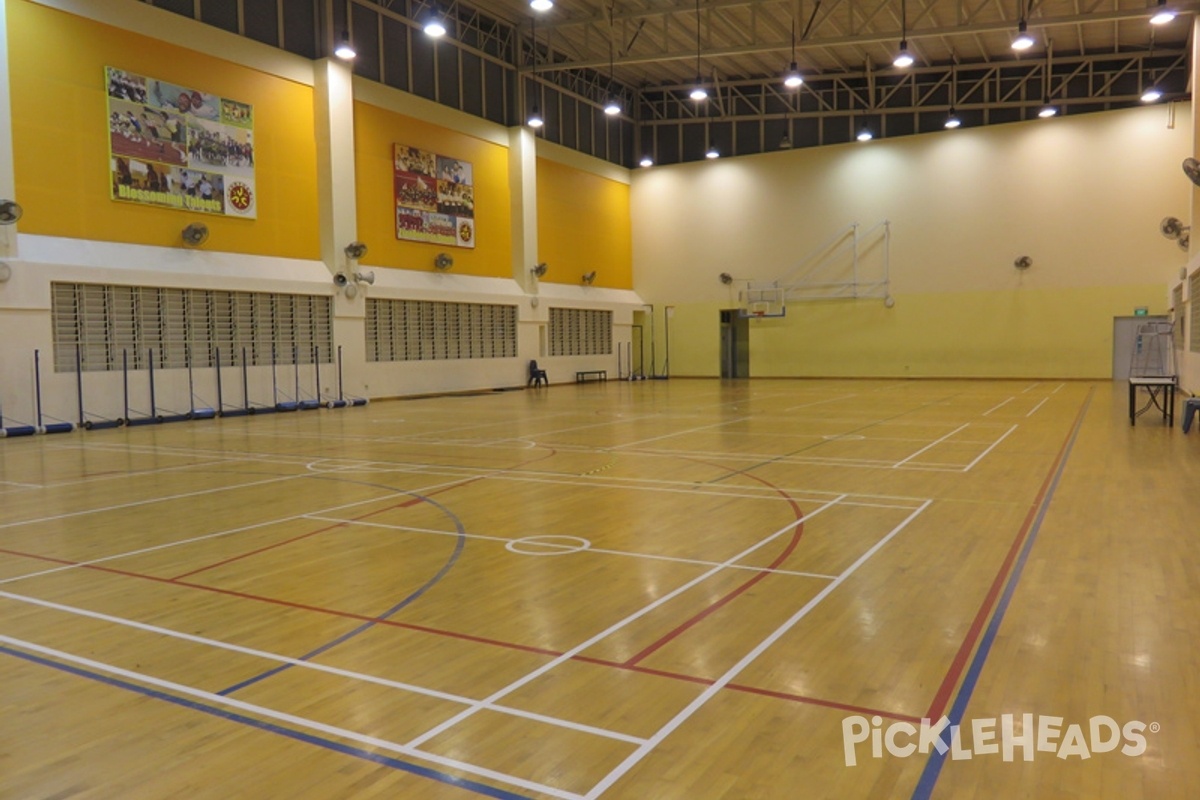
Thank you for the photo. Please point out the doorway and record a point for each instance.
(735, 344)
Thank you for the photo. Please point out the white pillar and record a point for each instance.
(522, 179)
(8, 189)
(333, 102)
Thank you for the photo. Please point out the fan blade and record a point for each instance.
(1191, 168)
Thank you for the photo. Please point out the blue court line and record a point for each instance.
(459, 543)
(933, 767)
(328, 744)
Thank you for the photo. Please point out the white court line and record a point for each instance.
(538, 476)
(556, 546)
(291, 719)
(579, 648)
(997, 407)
(1031, 386)
(662, 733)
(979, 458)
(147, 502)
(317, 667)
(23, 485)
(819, 402)
(658, 484)
(930, 446)
(1056, 388)
(137, 473)
(1039, 405)
(680, 433)
(218, 534)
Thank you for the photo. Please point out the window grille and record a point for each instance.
(580, 332)
(1194, 312)
(110, 326)
(430, 330)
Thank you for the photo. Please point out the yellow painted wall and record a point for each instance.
(60, 138)
(1081, 196)
(583, 225)
(376, 130)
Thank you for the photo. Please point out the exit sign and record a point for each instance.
(1141, 311)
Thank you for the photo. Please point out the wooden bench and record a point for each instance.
(585, 374)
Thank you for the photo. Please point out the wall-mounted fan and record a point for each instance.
(539, 269)
(589, 277)
(1191, 168)
(1023, 262)
(195, 234)
(726, 278)
(10, 212)
(1171, 227)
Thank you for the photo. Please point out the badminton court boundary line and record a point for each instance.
(604, 634)
(634, 758)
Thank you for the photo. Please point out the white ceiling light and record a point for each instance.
(344, 49)
(1024, 40)
(1162, 15)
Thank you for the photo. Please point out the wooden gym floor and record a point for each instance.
(663, 589)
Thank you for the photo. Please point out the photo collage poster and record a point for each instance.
(435, 198)
(176, 147)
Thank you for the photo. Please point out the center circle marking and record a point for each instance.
(548, 545)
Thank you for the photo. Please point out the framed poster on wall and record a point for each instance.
(434, 196)
(177, 147)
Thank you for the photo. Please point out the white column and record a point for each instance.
(8, 189)
(522, 179)
(333, 101)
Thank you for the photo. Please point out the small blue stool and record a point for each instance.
(1191, 408)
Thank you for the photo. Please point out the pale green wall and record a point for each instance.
(1040, 333)
(1081, 196)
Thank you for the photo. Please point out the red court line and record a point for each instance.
(866, 712)
(406, 504)
(671, 635)
(288, 604)
(795, 698)
(741, 687)
(946, 690)
(787, 551)
(249, 553)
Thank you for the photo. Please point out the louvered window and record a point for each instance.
(580, 332)
(427, 330)
(110, 327)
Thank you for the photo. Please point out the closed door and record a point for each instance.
(1124, 341)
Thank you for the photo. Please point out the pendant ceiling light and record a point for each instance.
(1163, 14)
(1024, 40)
(612, 106)
(698, 91)
(792, 78)
(534, 120)
(904, 58)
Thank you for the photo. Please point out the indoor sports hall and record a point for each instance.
(359, 438)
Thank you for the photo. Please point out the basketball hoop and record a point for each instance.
(759, 314)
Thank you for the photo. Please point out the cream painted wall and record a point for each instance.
(1081, 196)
